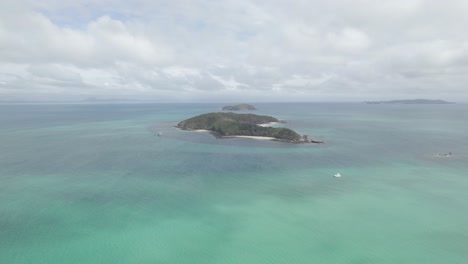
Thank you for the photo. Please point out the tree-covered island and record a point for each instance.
(231, 124)
(239, 107)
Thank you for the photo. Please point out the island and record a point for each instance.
(413, 101)
(239, 107)
(228, 125)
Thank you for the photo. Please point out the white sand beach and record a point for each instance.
(248, 137)
(251, 137)
(268, 124)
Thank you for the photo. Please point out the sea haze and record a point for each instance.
(95, 184)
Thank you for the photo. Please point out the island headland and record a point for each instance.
(412, 101)
(239, 107)
(226, 125)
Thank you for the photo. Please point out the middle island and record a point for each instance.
(226, 125)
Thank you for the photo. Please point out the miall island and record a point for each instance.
(228, 125)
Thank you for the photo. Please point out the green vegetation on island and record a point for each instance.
(239, 107)
(232, 124)
(413, 101)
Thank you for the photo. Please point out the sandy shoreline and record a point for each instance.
(268, 124)
(251, 137)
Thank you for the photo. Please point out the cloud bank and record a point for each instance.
(233, 50)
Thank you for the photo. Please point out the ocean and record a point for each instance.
(91, 183)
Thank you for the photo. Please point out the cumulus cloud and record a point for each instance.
(32, 38)
(233, 49)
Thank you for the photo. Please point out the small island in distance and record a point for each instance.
(227, 125)
(239, 107)
(412, 101)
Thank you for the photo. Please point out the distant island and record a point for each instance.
(413, 101)
(239, 107)
(225, 125)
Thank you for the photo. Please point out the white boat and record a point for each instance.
(338, 175)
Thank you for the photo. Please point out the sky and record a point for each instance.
(233, 50)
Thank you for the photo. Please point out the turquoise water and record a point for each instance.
(93, 184)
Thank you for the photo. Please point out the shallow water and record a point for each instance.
(94, 184)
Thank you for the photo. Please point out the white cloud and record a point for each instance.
(349, 40)
(181, 72)
(55, 72)
(233, 49)
(32, 38)
(230, 83)
(302, 82)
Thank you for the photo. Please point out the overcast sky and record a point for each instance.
(234, 50)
